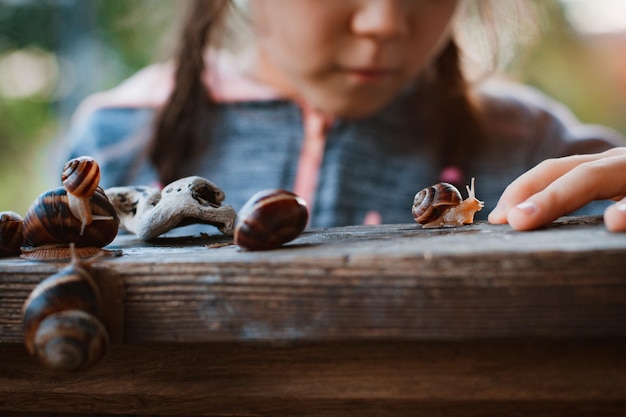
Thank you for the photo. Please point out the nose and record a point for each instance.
(381, 19)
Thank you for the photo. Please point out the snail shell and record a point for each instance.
(269, 219)
(11, 233)
(441, 205)
(431, 201)
(49, 223)
(81, 176)
(62, 319)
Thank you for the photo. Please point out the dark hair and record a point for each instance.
(452, 115)
(182, 127)
(183, 124)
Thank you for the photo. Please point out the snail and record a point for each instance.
(80, 178)
(62, 319)
(11, 233)
(441, 205)
(269, 219)
(68, 214)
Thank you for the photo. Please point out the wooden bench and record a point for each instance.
(389, 320)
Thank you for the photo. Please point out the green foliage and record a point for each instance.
(24, 128)
(30, 24)
(137, 30)
(129, 34)
(572, 70)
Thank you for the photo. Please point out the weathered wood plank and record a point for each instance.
(481, 378)
(371, 320)
(385, 282)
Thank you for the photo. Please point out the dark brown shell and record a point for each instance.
(430, 202)
(11, 233)
(50, 222)
(270, 219)
(70, 341)
(61, 320)
(81, 176)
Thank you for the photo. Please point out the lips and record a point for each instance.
(370, 74)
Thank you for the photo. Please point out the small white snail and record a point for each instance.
(441, 205)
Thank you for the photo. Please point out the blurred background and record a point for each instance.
(53, 53)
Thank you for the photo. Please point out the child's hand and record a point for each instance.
(557, 187)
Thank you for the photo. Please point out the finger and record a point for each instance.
(615, 216)
(603, 178)
(533, 181)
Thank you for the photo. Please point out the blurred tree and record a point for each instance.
(81, 46)
(568, 66)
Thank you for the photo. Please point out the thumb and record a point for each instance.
(615, 216)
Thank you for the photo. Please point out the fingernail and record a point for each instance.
(621, 207)
(527, 207)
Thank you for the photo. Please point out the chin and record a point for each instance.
(351, 109)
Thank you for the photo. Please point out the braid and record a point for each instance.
(182, 125)
(450, 110)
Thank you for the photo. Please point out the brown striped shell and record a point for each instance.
(49, 221)
(62, 320)
(81, 176)
(269, 219)
(11, 233)
(430, 202)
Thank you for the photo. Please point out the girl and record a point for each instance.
(355, 105)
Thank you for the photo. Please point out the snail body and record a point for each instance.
(441, 205)
(62, 319)
(11, 233)
(269, 219)
(80, 178)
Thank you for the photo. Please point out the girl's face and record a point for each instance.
(347, 58)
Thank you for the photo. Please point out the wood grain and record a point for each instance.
(486, 378)
(390, 282)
